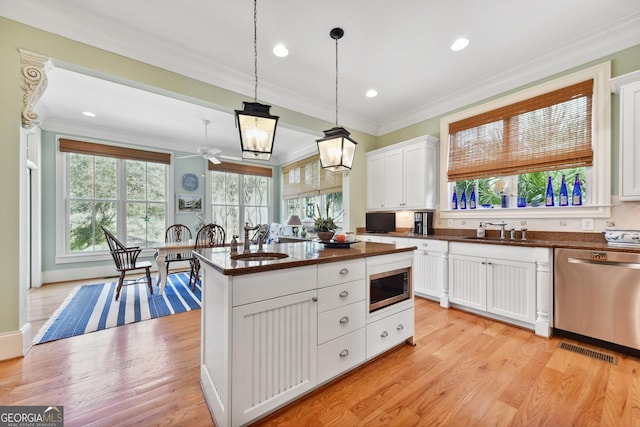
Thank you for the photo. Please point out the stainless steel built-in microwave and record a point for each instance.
(389, 287)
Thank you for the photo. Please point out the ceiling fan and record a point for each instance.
(210, 153)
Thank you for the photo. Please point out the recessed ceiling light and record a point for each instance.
(89, 114)
(372, 93)
(459, 44)
(280, 50)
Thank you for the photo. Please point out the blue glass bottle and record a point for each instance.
(454, 199)
(472, 199)
(463, 199)
(564, 193)
(549, 196)
(576, 196)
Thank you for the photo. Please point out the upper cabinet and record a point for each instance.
(403, 176)
(628, 87)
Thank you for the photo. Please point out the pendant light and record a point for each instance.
(256, 125)
(336, 149)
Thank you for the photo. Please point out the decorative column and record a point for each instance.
(444, 265)
(34, 82)
(543, 297)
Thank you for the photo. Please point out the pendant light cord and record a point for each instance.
(255, 48)
(336, 82)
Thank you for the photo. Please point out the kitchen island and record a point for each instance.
(275, 329)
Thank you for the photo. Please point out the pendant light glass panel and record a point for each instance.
(336, 150)
(257, 130)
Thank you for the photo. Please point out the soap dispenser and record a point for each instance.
(480, 231)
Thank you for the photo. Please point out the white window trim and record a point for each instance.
(62, 221)
(600, 183)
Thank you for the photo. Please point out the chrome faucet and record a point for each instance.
(502, 226)
(247, 242)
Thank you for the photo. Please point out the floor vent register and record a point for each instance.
(589, 353)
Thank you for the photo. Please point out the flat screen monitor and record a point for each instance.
(380, 222)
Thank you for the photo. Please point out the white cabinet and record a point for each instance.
(430, 268)
(403, 176)
(629, 90)
(277, 339)
(503, 284)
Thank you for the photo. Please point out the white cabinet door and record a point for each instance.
(414, 175)
(394, 180)
(375, 182)
(630, 141)
(429, 263)
(274, 353)
(468, 281)
(511, 289)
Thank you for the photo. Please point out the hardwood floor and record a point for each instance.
(464, 370)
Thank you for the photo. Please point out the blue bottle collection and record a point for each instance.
(454, 199)
(463, 200)
(472, 199)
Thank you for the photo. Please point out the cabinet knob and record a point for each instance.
(483, 263)
(345, 319)
(384, 334)
(344, 271)
(400, 327)
(314, 299)
(344, 353)
(344, 294)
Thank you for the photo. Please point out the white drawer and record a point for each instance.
(389, 332)
(340, 321)
(340, 272)
(248, 288)
(429, 245)
(340, 355)
(342, 294)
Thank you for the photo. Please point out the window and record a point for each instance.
(307, 187)
(239, 194)
(121, 189)
(507, 148)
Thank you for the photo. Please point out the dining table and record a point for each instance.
(162, 250)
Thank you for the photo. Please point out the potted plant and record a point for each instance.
(324, 226)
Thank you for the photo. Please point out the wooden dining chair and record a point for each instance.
(126, 259)
(178, 233)
(209, 236)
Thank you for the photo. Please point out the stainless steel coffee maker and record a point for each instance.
(423, 223)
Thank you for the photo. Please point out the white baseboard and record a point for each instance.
(16, 343)
(104, 271)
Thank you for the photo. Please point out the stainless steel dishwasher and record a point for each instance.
(597, 295)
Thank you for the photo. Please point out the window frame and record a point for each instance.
(600, 185)
(62, 220)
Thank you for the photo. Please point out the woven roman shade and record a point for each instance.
(546, 132)
(241, 169)
(306, 177)
(92, 148)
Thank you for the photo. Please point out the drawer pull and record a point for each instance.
(344, 353)
(344, 294)
(345, 319)
(400, 327)
(384, 334)
(314, 299)
(344, 271)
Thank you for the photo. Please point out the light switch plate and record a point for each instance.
(587, 224)
(449, 223)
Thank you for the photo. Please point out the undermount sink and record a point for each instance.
(259, 256)
(493, 239)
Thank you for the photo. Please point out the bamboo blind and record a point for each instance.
(306, 177)
(241, 169)
(549, 131)
(92, 148)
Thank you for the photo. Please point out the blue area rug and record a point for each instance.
(92, 308)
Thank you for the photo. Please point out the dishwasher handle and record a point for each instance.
(634, 265)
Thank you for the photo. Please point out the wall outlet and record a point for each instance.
(587, 224)
(611, 223)
(449, 223)
(523, 223)
(563, 223)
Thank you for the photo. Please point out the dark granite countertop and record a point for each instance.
(300, 254)
(540, 239)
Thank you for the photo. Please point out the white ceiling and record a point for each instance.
(399, 48)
